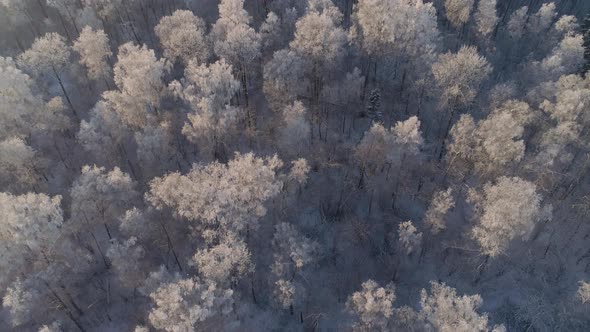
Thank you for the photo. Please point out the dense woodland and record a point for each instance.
(294, 165)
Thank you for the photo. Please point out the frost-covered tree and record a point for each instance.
(395, 145)
(104, 133)
(188, 304)
(19, 165)
(209, 90)
(486, 17)
(182, 36)
(19, 104)
(155, 151)
(49, 56)
(100, 197)
(446, 311)
(459, 76)
(409, 237)
(93, 47)
(235, 40)
(293, 250)
(441, 203)
(318, 36)
(225, 262)
(372, 151)
(20, 301)
(283, 77)
(320, 41)
(22, 109)
(231, 196)
(372, 306)
(407, 141)
(125, 258)
(296, 132)
(139, 77)
(30, 226)
(583, 293)
(458, 11)
(53, 327)
(507, 209)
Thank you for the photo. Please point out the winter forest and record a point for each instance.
(294, 165)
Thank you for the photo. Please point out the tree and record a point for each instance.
(125, 258)
(19, 166)
(53, 327)
(409, 237)
(458, 11)
(225, 262)
(235, 41)
(104, 133)
(284, 78)
(139, 78)
(22, 110)
(372, 306)
(440, 205)
(293, 250)
(49, 55)
(320, 41)
(155, 151)
(231, 196)
(30, 226)
(100, 197)
(93, 47)
(446, 311)
(19, 105)
(20, 300)
(209, 90)
(508, 208)
(491, 145)
(373, 149)
(516, 24)
(318, 37)
(459, 76)
(486, 18)
(185, 304)
(295, 134)
(583, 293)
(182, 36)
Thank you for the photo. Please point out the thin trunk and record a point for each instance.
(446, 134)
(64, 306)
(63, 89)
(171, 246)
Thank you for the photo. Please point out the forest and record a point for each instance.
(295, 165)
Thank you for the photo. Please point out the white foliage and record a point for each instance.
(292, 248)
(440, 205)
(459, 75)
(93, 47)
(225, 262)
(448, 312)
(183, 304)
(409, 237)
(372, 306)
(182, 36)
(508, 209)
(231, 195)
(458, 11)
